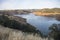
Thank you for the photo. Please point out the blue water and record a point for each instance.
(40, 22)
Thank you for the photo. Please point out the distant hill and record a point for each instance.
(47, 12)
(44, 11)
(12, 12)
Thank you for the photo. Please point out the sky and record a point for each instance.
(28, 4)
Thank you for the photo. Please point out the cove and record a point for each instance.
(42, 23)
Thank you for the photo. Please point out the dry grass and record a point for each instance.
(11, 34)
(43, 14)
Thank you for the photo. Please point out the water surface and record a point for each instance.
(40, 22)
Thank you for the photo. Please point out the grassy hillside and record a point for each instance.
(12, 34)
(15, 28)
(47, 12)
(17, 23)
(12, 12)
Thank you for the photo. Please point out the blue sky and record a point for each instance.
(28, 4)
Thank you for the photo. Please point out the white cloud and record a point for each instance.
(27, 4)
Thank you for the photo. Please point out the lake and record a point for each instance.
(42, 23)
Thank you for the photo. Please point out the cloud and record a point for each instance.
(28, 4)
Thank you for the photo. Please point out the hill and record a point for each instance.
(47, 12)
(16, 23)
(13, 34)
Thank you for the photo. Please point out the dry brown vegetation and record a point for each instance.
(12, 34)
(47, 11)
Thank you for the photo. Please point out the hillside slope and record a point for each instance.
(12, 34)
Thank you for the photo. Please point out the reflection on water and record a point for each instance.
(40, 22)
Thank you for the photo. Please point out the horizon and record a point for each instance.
(28, 4)
(27, 9)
